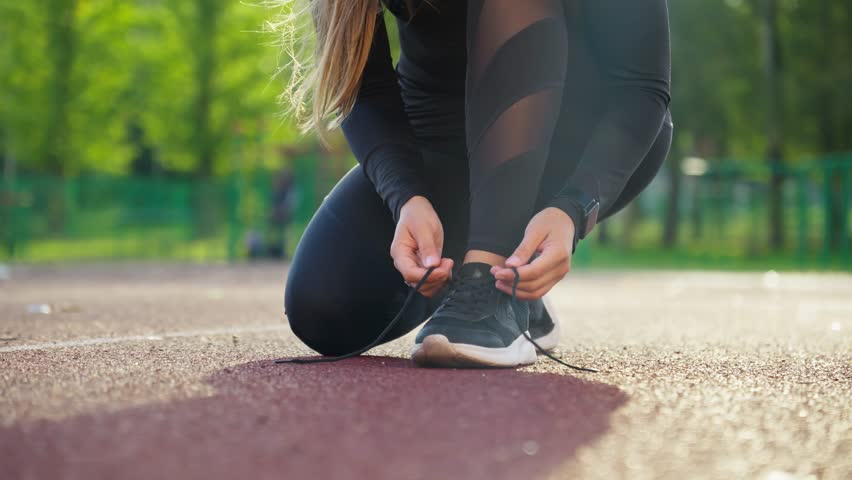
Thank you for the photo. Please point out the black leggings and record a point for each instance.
(342, 289)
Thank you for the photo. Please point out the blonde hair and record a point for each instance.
(324, 75)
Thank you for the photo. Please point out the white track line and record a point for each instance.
(85, 342)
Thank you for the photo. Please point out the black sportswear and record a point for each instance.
(501, 76)
(408, 130)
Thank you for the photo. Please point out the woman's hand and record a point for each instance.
(551, 234)
(417, 245)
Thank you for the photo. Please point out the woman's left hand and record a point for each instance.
(551, 234)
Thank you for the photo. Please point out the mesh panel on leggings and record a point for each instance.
(517, 54)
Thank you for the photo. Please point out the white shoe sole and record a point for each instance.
(438, 351)
(551, 340)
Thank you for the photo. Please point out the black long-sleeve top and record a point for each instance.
(425, 95)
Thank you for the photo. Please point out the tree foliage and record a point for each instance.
(97, 84)
(187, 77)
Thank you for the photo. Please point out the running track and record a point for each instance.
(164, 371)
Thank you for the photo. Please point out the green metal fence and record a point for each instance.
(93, 217)
(723, 217)
(721, 214)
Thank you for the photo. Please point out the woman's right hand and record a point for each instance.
(417, 245)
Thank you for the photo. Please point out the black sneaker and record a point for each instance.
(475, 326)
(544, 326)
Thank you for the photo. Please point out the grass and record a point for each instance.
(737, 245)
(172, 245)
(148, 243)
(606, 257)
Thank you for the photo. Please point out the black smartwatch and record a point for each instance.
(584, 204)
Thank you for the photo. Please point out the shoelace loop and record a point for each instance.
(398, 317)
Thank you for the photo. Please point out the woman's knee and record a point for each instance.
(348, 237)
(310, 285)
(325, 291)
(312, 317)
(305, 326)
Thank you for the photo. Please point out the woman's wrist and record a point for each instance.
(415, 202)
(399, 201)
(569, 216)
(562, 217)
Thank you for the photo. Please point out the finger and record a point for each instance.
(439, 242)
(502, 273)
(521, 295)
(433, 288)
(534, 283)
(529, 245)
(426, 290)
(437, 278)
(545, 282)
(429, 294)
(550, 260)
(433, 292)
(531, 272)
(544, 272)
(428, 250)
(443, 271)
(441, 275)
(553, 272)
(535, 288)
(446, 267)
(408, 266)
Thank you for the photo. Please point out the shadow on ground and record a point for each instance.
(369, 417)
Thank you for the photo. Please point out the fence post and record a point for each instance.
(8, 204)
(233, 196)
(803, 214)
(826, 196)
(843, 228)
(70, 205)
(697, 213)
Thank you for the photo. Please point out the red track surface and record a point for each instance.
(362, 418)
(165, 371)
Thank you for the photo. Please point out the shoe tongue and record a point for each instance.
(475, 270)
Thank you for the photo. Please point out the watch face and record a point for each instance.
(592, 217)
(588, 205)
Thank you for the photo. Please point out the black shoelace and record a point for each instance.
(399, 316)
(467, 294)
(378, 339)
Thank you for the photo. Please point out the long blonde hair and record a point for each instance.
(324, 75)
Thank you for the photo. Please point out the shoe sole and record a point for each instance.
(438, 351)
(551, 340)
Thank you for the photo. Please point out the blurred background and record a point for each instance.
(150, 129)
